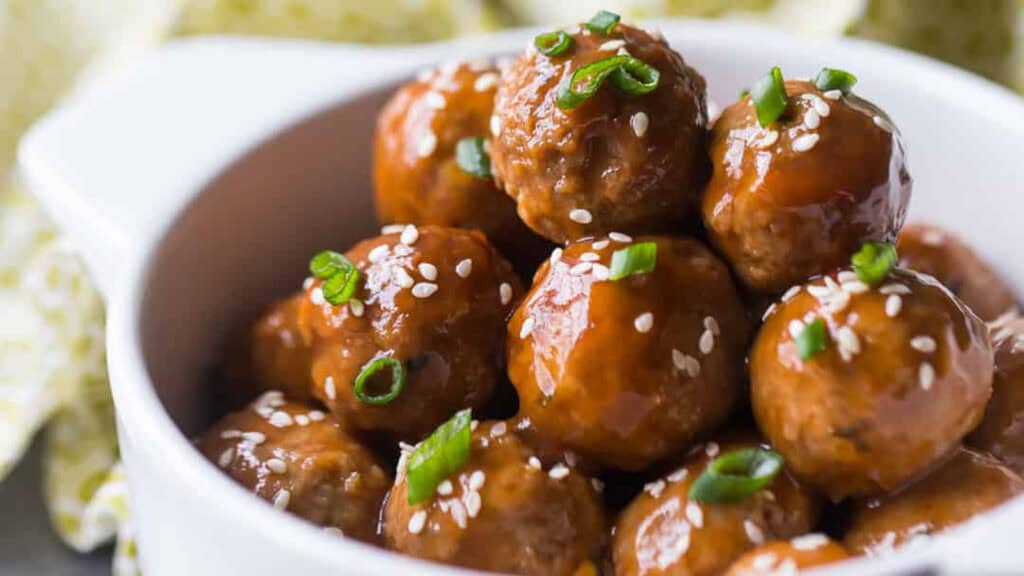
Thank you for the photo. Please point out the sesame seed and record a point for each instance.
(581, 216)
(655, 488)
(495, 125)
(379, 253)
(302, 420)
(707, 342)
(308, 282)
(766, 139)
(805, 142)
(476, 480)
(428, 271)
(589, 257)
(534, 463)
(600, 244)
(227, 434)
(597, 484)
(281, 499)
(277, 466)
(894, 289)
(571, 458)
(849, 343)
(711, 325)
(226, 457)
(458, 513)
(926, 375)
(435, 100)
(559, 471)
(392, 229)
(427, 145)
(612, 45)
(811, 119)
(556, 255)
(317, 296)
(768, 312)
(819, 292)
(601, 272)
(424, 289)
(796, 328)
(409, 235)
(464, 268)
(754, 532)
(526, 328)
(694, 514)
(847, 276)
(254, 437)
(644, 322)
(498, 430)
(764, 562)
(445, 488)
(639, 122)
(678, 476)
(809, 541)
(924, 344)
(855, 287)
(403, 279)
(316, 415)
(678, 359)
(356, 307)
(712, 449)
(329, 389)
(280, 419)
(833, 94)
(485, 82)
(581, 268)
(505, 293)
(623, 52)
(417, 521)
(620, 237)
(473, 503)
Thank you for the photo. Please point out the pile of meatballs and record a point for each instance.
(601, 333)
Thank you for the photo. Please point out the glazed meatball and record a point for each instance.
(433, 298)
(300, 460)
(1001, 432)
(418, 180)
(903, 373)
(630, 371)
(502, 511)
(789, 557)
(968, 484)
(664, 533)
(795, 199)
(633, 163)
(937, 252)
(275, 354)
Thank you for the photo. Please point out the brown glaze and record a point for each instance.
(780, 215)
(275, 354)
(1001, 432)
(298, 458)
(553, 161)
(663, 533)
(939, 253)
(588, 376)
(865, 423)
(450, 341)
(504, 512)
(416, 176)
(968, 484)
(787, 557)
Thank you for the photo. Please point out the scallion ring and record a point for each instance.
(634, 259)
(328, 263)
(441, 454)
(553, 43)
(472, 157)
(340, 276)
(834, 79)
(603, 22)
(736, 476)
(874, 261)
(769, 95)
(812, 340)
(369, 371)
(631, 75)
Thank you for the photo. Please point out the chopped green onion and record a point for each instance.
(340, 276)
(874, 261)
(368, 371)
(812, 340)
(472, 157)
(744, 93)
(553, 43)
(328, 263)
(632, 76)
(633, 259)
(835, 79)
(769, 95)
(603, 22)
(736, 476)
(434, 459)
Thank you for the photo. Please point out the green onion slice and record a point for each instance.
(371, 369)
(834, 79)
(472, 157)
(874, 261)
(744, 93)
(340, 276)
(633, 259)
(736, 476)
(328, 263)
(603, 22)
(442, 453)
(769, 95)
(553, 43)
(631, 75)
(812, 340)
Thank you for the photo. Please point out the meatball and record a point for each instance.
(628, 372)
(633, 163)
(903, 373)
(501, 512)
(663, 532)
(968, 484)
(417, 178)
(275, 354)
(795, 199)
(939, 253)
(788, 557)
(1001, 432)
(300, 460)
(436, 300)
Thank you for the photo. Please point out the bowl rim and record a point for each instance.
(140, 410)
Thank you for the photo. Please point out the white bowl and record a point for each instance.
(198, 182)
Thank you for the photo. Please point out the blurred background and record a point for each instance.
(63, 506)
